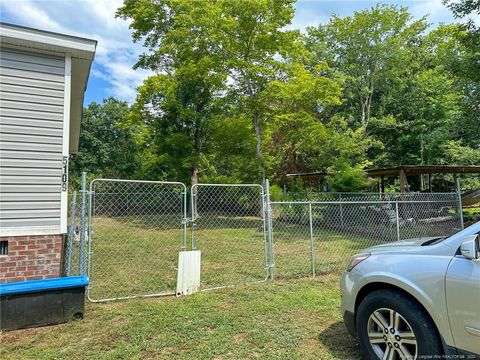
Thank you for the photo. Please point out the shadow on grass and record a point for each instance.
(339, 343)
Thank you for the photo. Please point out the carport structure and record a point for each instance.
(403, 171)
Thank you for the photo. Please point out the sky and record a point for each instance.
(112, 73)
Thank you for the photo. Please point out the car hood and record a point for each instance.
(401, 244)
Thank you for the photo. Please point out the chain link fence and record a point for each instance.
(315, 237)
(75, 261)
(229, 229)
(127, 234)
(137, 229)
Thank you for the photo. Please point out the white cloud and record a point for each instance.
(307, 15)
(30, 14)
(437, 12)
(116, 53)
(94, 19)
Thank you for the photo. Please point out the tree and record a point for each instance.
(230, 151)
(106, 148)
(254, 44)
(237, 96)
(174, 114)
(372, 48)
(451, 49)
(242, 40)
(176, 105)
(464, 8)
(424, 115)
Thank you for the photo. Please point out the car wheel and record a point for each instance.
(392, 326)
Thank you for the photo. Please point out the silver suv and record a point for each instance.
(416, 299)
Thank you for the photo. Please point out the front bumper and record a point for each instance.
(349, 321)
(348, 300)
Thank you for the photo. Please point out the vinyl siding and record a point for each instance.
(31, 137)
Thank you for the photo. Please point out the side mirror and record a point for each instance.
(470, 247)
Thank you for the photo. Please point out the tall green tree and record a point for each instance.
(244, 41)
(175, 106)
(255, 46)
(460, 54)
(373, 48)
(106, 148)
(236, 95)
(173, 114)
(305, 137)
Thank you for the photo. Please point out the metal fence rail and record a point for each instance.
(361, 196)
(229, 228)
(136, 231)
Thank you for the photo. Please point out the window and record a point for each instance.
(4, 247)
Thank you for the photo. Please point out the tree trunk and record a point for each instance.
(369, 106)
(258, 131)
(194, 174)
(362, 106)
(198, 150)
(258, 135)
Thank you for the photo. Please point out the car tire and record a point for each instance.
(389, 307)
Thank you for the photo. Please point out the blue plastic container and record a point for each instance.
(35, 303)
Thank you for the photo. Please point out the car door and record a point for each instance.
(463, 302)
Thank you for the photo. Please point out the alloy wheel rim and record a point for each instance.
(391, 336)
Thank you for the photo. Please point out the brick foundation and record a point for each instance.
(31, 258)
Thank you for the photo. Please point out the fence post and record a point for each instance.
(192, 203)
(458, 190)
(71, 234)
(398, 221)
(82, 224)
(341, 211)
(89, 228)
(269, 230)
(312, 244)
(184, 221)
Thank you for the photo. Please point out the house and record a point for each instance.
(43, 76)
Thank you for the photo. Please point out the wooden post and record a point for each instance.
(458, 190)
(403, 189)
(403, 182)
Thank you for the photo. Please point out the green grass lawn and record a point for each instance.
(296, 316)
(283, 319)
(470, 214)
(138, 255)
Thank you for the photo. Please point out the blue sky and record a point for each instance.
(112, 73)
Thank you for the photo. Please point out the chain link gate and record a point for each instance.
(228, 226)
(136, 230)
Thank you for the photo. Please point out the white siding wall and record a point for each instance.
(31, 142)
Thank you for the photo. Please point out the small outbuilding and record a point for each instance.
(43, 77)
(418, 170)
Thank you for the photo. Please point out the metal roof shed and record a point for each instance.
(403, 171)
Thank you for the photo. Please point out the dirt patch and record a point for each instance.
(23, 334)
(238, 338)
